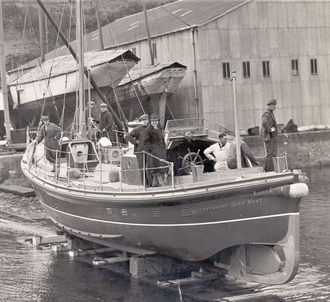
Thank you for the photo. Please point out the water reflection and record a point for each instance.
(28, 274)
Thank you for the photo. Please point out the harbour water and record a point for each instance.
(28, 274)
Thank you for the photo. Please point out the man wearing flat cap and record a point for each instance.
(269, 134)
(106, 121)
(51, 133)
(105, 127)
(135, 138)
(154, 143)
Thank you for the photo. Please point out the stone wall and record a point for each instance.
(303, 149)
(10, 170)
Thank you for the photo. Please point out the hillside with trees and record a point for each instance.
(21, 23)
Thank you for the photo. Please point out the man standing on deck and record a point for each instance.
(135, 137)
(269, 134)
(51, 133)
(153, 143)
(219, 153)
(106, 122)
(105, 127)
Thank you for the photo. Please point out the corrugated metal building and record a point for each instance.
(278, 48)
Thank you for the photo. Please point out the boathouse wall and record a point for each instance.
(286, 36)
(277, 32)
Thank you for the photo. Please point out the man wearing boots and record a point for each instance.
(269, 134)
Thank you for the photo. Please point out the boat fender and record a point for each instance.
(297, 190)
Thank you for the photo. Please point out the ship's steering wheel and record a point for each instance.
(189, 160)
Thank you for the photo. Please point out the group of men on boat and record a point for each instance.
(225, 155)
(149, 144)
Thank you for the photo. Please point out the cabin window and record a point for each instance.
(294, 67)
(134, 50)
(226, 70)
(265, 68)
(154, 50)
(313, 66)
(246, 69)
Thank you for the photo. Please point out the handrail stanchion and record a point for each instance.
(144, 170)
(56, 161)
(84, 169)
(172, 174)
(68, 167)
(121, 172)
(101, 174)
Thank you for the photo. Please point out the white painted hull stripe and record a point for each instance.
(175, 225)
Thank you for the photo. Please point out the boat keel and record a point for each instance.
(267, 264)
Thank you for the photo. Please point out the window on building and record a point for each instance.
(266, 68)
(226, 70)
(246, 69)
(314, 66)
(154, 50)
(134, 50)
(294, 67)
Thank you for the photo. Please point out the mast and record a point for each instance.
(81, 94)
(41, 19)
(97, 14)
(4, 79)
(237, 137)
(148, 34)
(73, 53)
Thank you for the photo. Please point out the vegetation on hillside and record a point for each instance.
(21, 23)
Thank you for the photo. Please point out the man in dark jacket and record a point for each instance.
(106, 121)
(154, 144)
(135, 137)
(269, 134)
(51, 133)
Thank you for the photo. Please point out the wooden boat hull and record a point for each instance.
(191, 224)
(146, 86)
(54, 84)
(247, 214)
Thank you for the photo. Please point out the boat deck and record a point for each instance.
(100, 178)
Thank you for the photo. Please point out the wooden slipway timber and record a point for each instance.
(236, 219)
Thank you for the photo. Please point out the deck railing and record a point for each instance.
(79, 173)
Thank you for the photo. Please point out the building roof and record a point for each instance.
(173, 17)
(162, 20)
